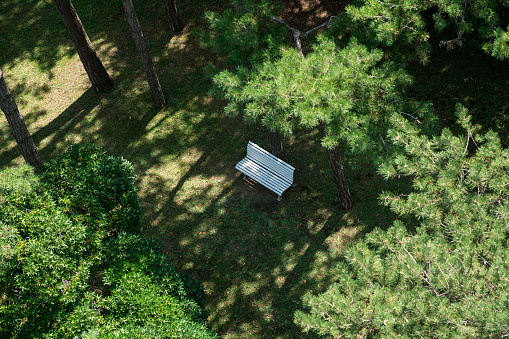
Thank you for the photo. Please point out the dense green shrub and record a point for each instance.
(130, 252)
(94, 187)
(44, 267)
(60, 277)
(148, 297)
(140, 295)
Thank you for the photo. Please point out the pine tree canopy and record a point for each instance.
(350, 90)
(449, 278)
(243, 37)
(407, 23)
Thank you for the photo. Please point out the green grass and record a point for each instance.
(255, 256)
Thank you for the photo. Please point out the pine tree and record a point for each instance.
(96, 72)
(243, 36)
(346, 93)
(403, 25)
(174, 22)
(248, 35)
(17, 123)
(449, 278)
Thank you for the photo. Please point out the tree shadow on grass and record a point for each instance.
(256, 259)
(469, 76)
(58, 128)
(117, 119)
(32, 30)
(255, 267)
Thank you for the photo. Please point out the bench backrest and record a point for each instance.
(278, 166)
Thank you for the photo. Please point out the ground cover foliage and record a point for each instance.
(255, 258)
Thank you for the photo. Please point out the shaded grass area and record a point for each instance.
(255, 256)
(468, 76)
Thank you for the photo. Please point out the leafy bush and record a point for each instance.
(149, 298)
(96, 188)
(60, 277)
(134, 254)
(44, 267)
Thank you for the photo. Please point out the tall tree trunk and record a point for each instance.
(172, 16)
(344, 197)
(276, 146)
(97, 74)
(146, 60)
(18, 127)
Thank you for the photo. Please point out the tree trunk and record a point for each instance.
(276, 146)
(146, 60)
(172, 16)
(18, 127)
(97, 74)
(344, 197)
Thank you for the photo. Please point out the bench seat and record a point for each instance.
(266, 169)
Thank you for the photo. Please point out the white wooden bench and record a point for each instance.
(265, 168)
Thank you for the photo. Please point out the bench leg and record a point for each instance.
(245, 176)
(278, 198)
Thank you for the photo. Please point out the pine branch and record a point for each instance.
(408, 253)
(386, 149)
(411, 116)
(305, 35)
(297, 35)
(445, 275)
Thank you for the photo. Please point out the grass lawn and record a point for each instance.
(255, 256)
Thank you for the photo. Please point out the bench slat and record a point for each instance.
(261, 150)
(252, 147)
(267, 179)
(264, 178)
(283, 176)
(270, 161)
(270, 167)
